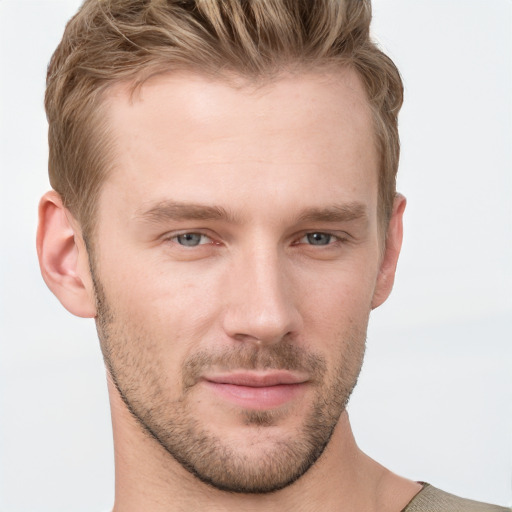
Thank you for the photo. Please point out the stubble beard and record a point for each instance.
(139, 380)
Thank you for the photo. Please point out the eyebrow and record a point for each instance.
(165, 211)
(336, 213)
(177, 211)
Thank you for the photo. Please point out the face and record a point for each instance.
(235, 264)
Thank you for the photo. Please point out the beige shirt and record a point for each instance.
(430, 499)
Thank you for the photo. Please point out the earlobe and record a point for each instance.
(63, 257)
(386, 276)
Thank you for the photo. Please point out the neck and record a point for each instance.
(343, 478)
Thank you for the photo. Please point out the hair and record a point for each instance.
(127, 41)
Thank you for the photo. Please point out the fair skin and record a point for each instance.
(236, 259)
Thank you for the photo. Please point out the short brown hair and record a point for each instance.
(112, 41)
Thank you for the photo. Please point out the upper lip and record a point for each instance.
(257, 379)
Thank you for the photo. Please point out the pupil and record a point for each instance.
(319, 238)
(189, 239)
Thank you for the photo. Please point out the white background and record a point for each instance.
(434, 401)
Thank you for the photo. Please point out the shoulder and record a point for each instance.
(431, 499)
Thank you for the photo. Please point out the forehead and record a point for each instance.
(186, 134)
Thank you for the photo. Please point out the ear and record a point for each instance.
(63, 257)
(393, 244)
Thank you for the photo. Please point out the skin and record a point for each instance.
(238, 247)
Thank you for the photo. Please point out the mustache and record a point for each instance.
(247, 356)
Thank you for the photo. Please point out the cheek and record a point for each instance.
(161, 315)
(159, 290)
(343, 295)
(335, 315)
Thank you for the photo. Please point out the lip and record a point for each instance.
(257, 390)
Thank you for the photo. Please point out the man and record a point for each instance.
(224, 206)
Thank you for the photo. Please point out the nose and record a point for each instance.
(261, 308)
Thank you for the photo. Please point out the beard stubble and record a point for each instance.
(139, 378)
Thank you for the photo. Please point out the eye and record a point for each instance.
(318, 238)
(191, 239)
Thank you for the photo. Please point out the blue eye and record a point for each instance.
(319, 238)
(191, 239)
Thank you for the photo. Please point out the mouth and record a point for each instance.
(257, 390)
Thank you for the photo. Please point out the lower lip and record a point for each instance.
(258, 398)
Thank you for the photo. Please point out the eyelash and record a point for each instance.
(174, 239)
(337, 239)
